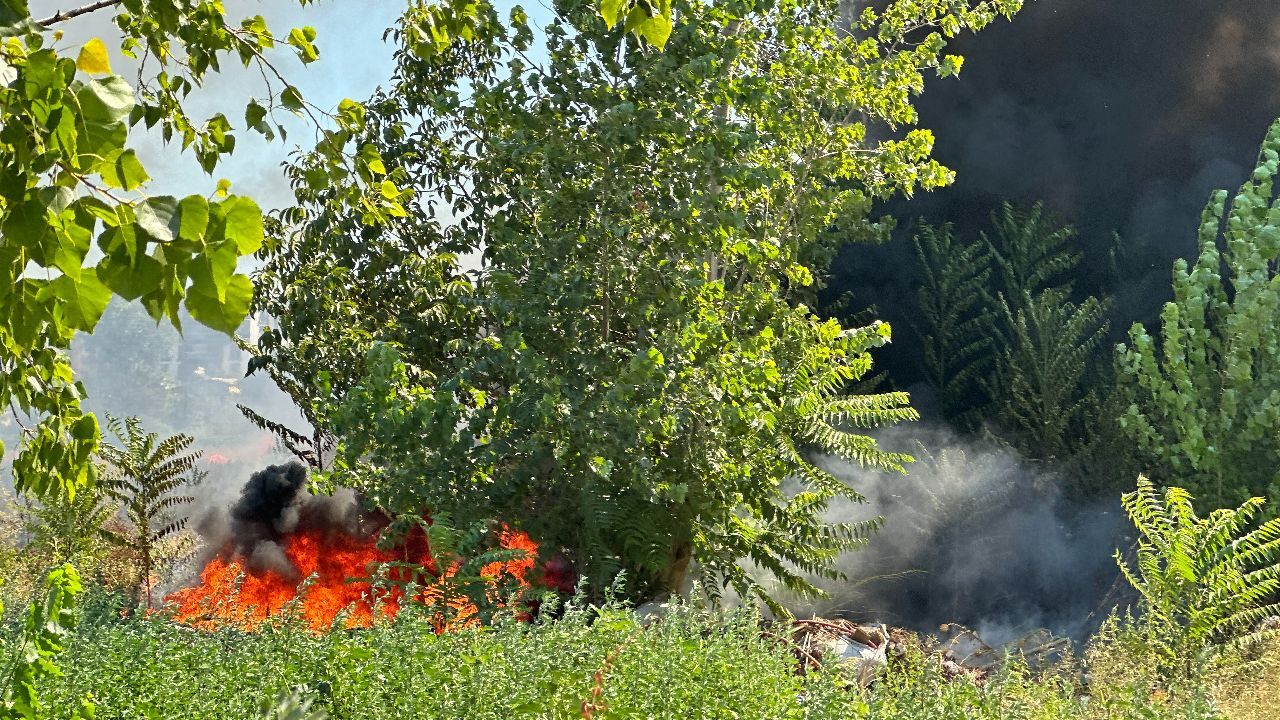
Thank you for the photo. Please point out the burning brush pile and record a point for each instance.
(281, 549)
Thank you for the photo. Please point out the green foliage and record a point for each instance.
(1047, 369)
(1004, 340)
(1205, 393)
(1047, 355)
(688, 665)
(69, 180)
(918, 687)
(49, 622)
(628, 370)
(292, 706)
(954, 317)
(1205, 582)
(146, 475)
(1030, 252)
(68, 530)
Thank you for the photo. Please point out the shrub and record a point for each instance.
(1205, 583)
(1205, 391)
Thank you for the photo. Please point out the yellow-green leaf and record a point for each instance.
(611, 11)
(93, 58)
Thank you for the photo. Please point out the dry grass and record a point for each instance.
(1238, 686)
(1248, 688)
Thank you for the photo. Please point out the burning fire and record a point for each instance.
(333, 575)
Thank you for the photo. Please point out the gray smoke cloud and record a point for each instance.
(972, 534)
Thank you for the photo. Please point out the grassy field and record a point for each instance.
(598, 665)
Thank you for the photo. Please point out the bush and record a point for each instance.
(1206, 584)
(918, 687)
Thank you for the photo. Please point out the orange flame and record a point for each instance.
(336, 571)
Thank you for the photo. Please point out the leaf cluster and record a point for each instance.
(69, 180)
(1204, 391)
(48, 624)
(1206, 582)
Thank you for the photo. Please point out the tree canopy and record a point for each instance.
(70, 180)
(591, 319)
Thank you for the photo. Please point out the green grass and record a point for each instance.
(689, 666)
(685, 667)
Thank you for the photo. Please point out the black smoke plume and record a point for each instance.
(275, 503)
(1121, 116)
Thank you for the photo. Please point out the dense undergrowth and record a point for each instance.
(688, 665)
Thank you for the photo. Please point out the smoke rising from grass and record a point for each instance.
(973, 534)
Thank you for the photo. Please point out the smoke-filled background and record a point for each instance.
(1120, 116)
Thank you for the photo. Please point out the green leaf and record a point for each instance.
(301, 38)
(193, 218)
(85, 428)
(97, 141)
(244, 226)
(157, 218)
(657, 29)
(291, 99)
(28, 223)
(372, 159)
(106, 100)
(123, 170)
(83, 299)
(15, 18)
(254, 114)
(212, 270)
(93, 58)
(131, 280)
(225, 315)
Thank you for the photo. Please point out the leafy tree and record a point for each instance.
(1205, 582)
(68, 180)
(1003, 338)
(147, 475)
(628, 371)
(1045, 372)
(954, 317)
(1205, 393)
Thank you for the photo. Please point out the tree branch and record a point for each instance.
(63, 15)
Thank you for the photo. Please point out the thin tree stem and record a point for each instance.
(64, 15)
